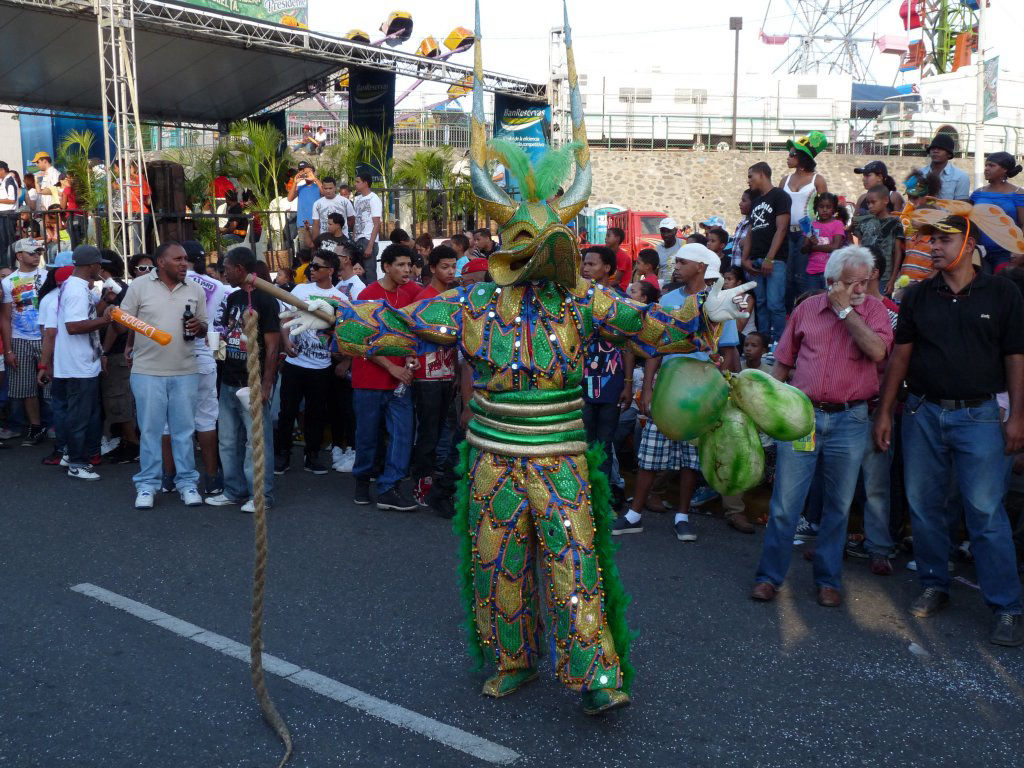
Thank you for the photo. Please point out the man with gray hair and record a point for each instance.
(832, 346)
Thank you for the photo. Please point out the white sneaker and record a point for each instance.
(249, 507)
(64, 460)
(107, 444)
(82, 473)
(337, 454)
(220, 500)
(190, 497)
(348, 460)
(144, 500)
(7, 434)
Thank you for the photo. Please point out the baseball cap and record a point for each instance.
(64, 273)
(702, 255)
(304, 164)
(475, 265)
(193, 249)
(28, 245)
(40, 155)
(875, 166)
(85, 255)
(668, 223)
(62, 259)
(713, 221)
(943, 141)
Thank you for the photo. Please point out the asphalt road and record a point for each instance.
(369, 599)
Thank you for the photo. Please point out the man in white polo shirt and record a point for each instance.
(164, 378)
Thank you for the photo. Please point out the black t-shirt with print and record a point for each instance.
(764, 212)
(233, 370)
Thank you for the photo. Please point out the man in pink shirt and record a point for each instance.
(832, 346)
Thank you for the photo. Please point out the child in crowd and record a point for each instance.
(644, 292)
(460, 244)
(755, 347)
(879, 227)
(731, 278)
(828, 233)
(917, 256)
(647, 264)
(718, 239)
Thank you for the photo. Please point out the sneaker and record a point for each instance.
(249, 507)
(362, 494)
(65, 460)
(337, 454)
(685, 531)
(805, 530)
(312, 464)
(54, 459)
(881, 566)
(1008, 631)
(419, 493)
(929, 602)
(282, 462)
(167, 484)
(393, 498)
(857, 549)
(703, 495)
(190, 497)
(144, 500)
(82, 473)
(220, 500)
(125, 453)
(34, 436)
(215, 484)
(348, 461)
(7, 434)
(622, 526)
(109, 444)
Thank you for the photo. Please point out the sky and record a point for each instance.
(653, 33)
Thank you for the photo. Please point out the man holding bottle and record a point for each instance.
(164, 378)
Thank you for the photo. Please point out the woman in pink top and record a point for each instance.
(828, 234)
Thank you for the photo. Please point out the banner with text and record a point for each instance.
(371, 105)
(291, 13)
(525, 123)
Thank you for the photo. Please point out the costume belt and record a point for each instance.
(528, 423)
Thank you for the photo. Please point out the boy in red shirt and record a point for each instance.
(613, 238)
(434, 388)
(381, 389)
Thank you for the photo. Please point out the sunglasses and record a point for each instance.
(314, 265)
(143, 268)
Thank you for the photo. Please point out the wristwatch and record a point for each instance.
(842, 313)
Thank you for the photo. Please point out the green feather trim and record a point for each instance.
(460, 525)
(616, 598)
(551, 170)
(516, 161)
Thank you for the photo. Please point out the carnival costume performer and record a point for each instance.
(530, 495)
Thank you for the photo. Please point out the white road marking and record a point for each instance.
(352, 697)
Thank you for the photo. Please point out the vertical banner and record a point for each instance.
(991, 104)
(371, 105)
(525, 123)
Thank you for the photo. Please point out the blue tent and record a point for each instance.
(867, 100)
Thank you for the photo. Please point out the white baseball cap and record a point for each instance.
(702, 255)
(668, 223)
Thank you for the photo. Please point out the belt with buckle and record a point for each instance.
(836, 407)
(956, 405)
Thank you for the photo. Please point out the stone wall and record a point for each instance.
(691, 186)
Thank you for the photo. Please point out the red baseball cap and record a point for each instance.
(475, 265)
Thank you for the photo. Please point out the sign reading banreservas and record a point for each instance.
(291, 13)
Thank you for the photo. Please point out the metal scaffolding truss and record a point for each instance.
(190, 22)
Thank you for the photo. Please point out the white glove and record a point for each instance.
(729, 304)
(297, 321)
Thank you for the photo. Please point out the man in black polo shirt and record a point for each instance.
(959, 341)
(764, 245)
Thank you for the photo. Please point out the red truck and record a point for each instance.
(641, 228)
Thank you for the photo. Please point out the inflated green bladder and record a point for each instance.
(689, 396)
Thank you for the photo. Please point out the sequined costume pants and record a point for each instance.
(526, 512)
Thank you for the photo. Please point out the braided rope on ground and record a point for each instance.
(259, 499)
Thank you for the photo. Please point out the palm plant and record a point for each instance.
(73, 154)
(429, 172)
(256, 159)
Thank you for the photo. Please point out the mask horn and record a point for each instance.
(575, 198)
(495, 201)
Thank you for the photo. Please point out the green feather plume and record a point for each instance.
(536, 182)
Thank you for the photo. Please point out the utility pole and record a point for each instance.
(979, 109)
(735, 24)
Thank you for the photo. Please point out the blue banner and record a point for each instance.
(525, 123)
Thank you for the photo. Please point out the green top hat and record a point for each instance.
(811, 144)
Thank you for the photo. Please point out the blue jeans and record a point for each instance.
(875, 471)
(59, 411)
(970, 440)
(839, 440)
(814, 282)
(234, 431)
(84, 426)
(169, 400)
(771, 300)
(370, 406)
